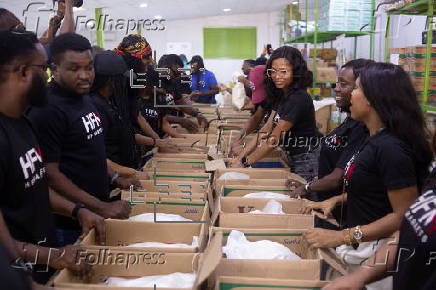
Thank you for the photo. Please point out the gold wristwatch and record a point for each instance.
(357, 234)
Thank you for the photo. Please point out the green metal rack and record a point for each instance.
(418, 8)
(319, 37)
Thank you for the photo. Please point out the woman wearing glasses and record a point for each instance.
(292, 123)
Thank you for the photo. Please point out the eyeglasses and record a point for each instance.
(345, 85)
(281, 73)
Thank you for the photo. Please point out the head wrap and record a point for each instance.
(134, 45)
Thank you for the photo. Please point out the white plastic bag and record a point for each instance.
(238, 247)
(223, 99)
(164, 245)
(271, 207)
(174, 280)
(238, 95)
(233, 175)
(268, 194)
(149, 217)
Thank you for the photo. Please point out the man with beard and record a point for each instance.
(26, 202)
(71, 137)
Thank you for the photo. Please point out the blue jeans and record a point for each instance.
(67, 237)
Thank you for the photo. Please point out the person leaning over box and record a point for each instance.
(339, 145)
(292, 122)
(384, 176)
(71, 136)
(26, 201)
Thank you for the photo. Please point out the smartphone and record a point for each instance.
(268, 47)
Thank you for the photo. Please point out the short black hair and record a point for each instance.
(261, 60)
(68, 41)
(250, 62)
(357, 65)
(172, 59)
(16, 46)
(197, 59)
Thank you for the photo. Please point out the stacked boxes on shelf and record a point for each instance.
(345, 15)
(412, 59)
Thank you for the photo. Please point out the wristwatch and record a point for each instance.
(307, 187)
(76, 210)
(357, 234)
(19, 264)
(116, 175)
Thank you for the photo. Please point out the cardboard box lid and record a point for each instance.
(210, 259)
(241, 190)
(245, 283)
(169, 186)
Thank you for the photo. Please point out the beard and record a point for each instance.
(38, 91)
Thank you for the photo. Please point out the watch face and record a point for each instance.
(357, 235)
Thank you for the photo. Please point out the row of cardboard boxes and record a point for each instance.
(180, 184)
(230, 212)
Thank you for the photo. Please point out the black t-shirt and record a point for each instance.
(175, 89)
(417, 260)
(383, 163)
(298, 109)
(153, 114)
(338, 147)
(118, 134)
(24, 197)
(70, 133)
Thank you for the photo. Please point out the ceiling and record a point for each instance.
(168, 9)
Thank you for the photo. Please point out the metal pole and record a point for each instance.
(100, 27)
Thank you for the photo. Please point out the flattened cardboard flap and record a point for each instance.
(214, 165)
(330, 257)
(210, 259)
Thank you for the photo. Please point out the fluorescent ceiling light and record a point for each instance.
(227, 9)
(143, 5)
(158, 17)
(78, 9)
(295, 2)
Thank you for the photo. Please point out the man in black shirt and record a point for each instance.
(26, 203)
(71, 136)
(338, 146)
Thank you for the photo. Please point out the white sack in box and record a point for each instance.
(272, 207)
(233, 175)
(174, 280)
(238, 247)
(267, 194)
(149, 217)
(164, 245)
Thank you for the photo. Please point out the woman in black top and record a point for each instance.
(385, 175)
(292, 122)
(411, 258)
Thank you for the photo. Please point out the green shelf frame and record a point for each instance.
(319, 37)
(326, 36)
(418, 8)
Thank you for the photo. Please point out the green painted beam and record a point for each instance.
(100, 32)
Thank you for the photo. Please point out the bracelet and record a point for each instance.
(195, 113)
(76, 210)
(347, 237)
(244, 162)
(307, 187)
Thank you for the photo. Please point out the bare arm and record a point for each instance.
(252, 123)
(166, 127)
(68, 23)
(146, 128)
(328, 183)
(7, 240)
(49, 34)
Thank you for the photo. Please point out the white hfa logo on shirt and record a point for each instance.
(91, 121)
(29, 162)
(422, 216)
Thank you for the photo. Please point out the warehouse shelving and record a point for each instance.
(320, 37)
(418, 8)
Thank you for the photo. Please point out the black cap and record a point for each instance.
(109, 63)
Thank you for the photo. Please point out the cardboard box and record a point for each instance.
(180, 176)
(174, 186)
(241, 190)
(141, 196)
(326, 74)
(196, 211)
(232, 212)
(323, 117)
(309, 268)
(120, 233)
(138, 264)
(175, 164)
(244, 283)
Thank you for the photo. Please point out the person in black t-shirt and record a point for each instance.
(26, 202)
(338, 146)
(383, 178)
(292, 122)
(409, 256)
(71, 136)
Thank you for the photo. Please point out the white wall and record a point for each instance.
(191, 30)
